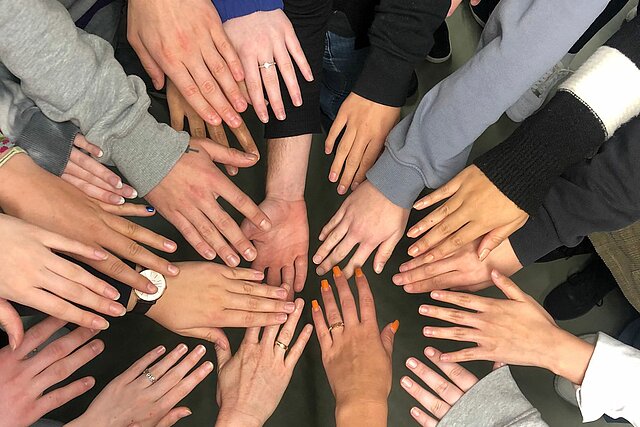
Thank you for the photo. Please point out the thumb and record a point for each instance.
(10, 321)
(508, 287)
(494, 238)
(223, 351)
(228, 156)
(388, 336)
(218, 338)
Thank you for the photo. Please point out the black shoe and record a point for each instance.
(441, 50)
(483, 10)
(563, 252)
(581, 292)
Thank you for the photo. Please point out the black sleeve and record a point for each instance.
(401, 36)
(602, 194)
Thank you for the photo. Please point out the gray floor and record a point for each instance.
(308, 401)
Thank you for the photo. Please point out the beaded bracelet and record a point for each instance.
(9, 154)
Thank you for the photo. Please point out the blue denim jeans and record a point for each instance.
(341, 66)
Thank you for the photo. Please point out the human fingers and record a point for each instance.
(55, 306)
(285, 335)
(134, 371)
(116, 269)
(508, 287)
(331, 225)
(253, 81)
(359, 257)
(192, 94)
(184, 387)
(225, 48)
(172, 417)
(11, 323)
(434, 217)
(63, 368)
(422, 418)
(334, 318)
(250, 319)
(128, 209)
(245, 139)
(463, 299)
(222, 153)
(79, 275)
(454, 280)
(295, 351)
(294, 48)
(272, 85)
(444, 389)
(453, 333)
(334, 132)
(436, 406)
(388, 335)
(462, 378)
(495, 237)
(243, 204)
(288, 73)
(233, 234)
(63, 395)
(162, 366)
(443, 235)
(452, 244)
(176, 373)
(384, 253)
(273, 276)
(365, 298)
(59, 350)
(458, 317)
(324, 337)
(176, 104)
(134, 232)
(353, 161)
(258, 304)
(186, 225)
(347, 301)
(64, 244)
(93, 191)
(197, 127)
(416, 270)
(344, 147)
(219, 136)
(210, 89)
(223, 77)
(333, 250)
(300, 276)
(81, 142)
(93, 168)
(369, 158)
(445, 191)
(148, 63)
(37, 335)
(258, 290)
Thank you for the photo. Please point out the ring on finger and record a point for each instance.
(148, 375)
(282, 345)
(266, 65)
(339, 324)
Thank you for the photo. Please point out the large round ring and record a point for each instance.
(266, 65)
(339, 324)
(282, 345)
(149, 376)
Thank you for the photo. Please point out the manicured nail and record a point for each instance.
(100, 324)
(99, 253)
(324, 285)
(100, 153)
(150, 209)
(281, 317)
(170, 245)
(336, 271)
(209, 254)
(342, 189)
(182, 348)
(317, 259)
(429, 352)
(151, 288)
(413, 250)
(397, 279)
(359, 272)
(333, 177)
(406, 382)
(280, 115)
(115, 199)
(423, 309)
(289, 307)
(208, 367)
(264, 118)
(427, 331)
(484, 254)
(117, 310)
(134, 193)
(200, 350)
(418, 204)
(415, 412)
(412, 363)
(118, 184)
(314, 305)
(112, 293)
(265, 225)
(160, 349)
(297, 101)
(378, 267)
(395, 325)
(173, 269)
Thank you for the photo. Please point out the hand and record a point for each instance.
(265, 37)
(26, 375)
(132, 399)
(207, 296)
(187, 198)
(252, 382)
(366, 125)
(179, 108)
(368, 219)
(356, 356)
(475, 207)
(34, 276)
(515, 331)
(284, 249)
(193, 51)
(461, 271)
(445, 392)
(45, 200)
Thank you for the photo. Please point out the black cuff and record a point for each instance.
(47, 142)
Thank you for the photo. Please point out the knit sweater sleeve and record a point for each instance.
(73, 76)
(400, 36)
(589, 107)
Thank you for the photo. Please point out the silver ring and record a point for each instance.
(282, 345)
(339, 324)
(267, 65)
(149, 376)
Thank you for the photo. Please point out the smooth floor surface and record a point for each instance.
(308, 400)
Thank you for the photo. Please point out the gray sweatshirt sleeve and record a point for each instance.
(597, 195)
(522, 40)
(73, 76)
(495, 401)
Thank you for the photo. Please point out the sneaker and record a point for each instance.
(564, 388)
(581, 292)
(441, 50)
(537, 94)
(563, 252)
(482, 11)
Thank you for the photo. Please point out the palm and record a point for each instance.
(283, 250)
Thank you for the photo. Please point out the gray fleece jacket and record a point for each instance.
(73, 76)
(521, 41)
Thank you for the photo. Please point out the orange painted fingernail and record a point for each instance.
(359, 272)
(324, 285)
(314, 305)
(395, 325)
(336, 271)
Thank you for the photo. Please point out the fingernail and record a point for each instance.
(445, 357)
(354, 185)
(151, 288)
(264, 118)
(173, 269)
(100, 153)
(484, 254)
(259, 275)
(406, 382)
(395, 326)
(333, 177)
(100, 324)
(412, 363)
(359, 272)
(88, 382)
(251, 156)
(118, 183)
(289, 307)
(317, 259)
(241, 104)
(297, 101)
(209, 254)
(121, 201)
(397, 279)
(182, 348)
(281, 293)
(117, 309)
(427, 331)
(13, 345)
(208, 366)
(233, 260)
(150, 209)
(314, 305)
(101, 254)
(96, 346)
(320, 271)
(281, 318)
(403, 268)
(378, 268)
(324, 285)
(134, 194)
(160, 349)
(423, 309)
(265, 225)
(415, 412)
(418, 205)
(435, 295)
(112, 293)
(169, 245)
(280, 115)
(188, 412)
(200, 350)
(413, 250)
(249, 254)
(429, 258)
(430, 352)
(336, 271)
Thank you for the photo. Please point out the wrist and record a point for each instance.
(569, 357)
(361, 412)
(232, 418)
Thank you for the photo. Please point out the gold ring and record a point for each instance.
(282, 345)
(339, 324)
(149, 376)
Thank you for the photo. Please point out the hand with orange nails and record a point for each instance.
(27, 376)
(515, 331)
(475, 208)
(462, 271)
(251, 382)
(355, 355)
(145, 395)
(367, 219)
(446, 391)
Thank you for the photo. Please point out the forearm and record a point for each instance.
(569, 357)
(287, 163)
(517, 33)
(361, 414)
